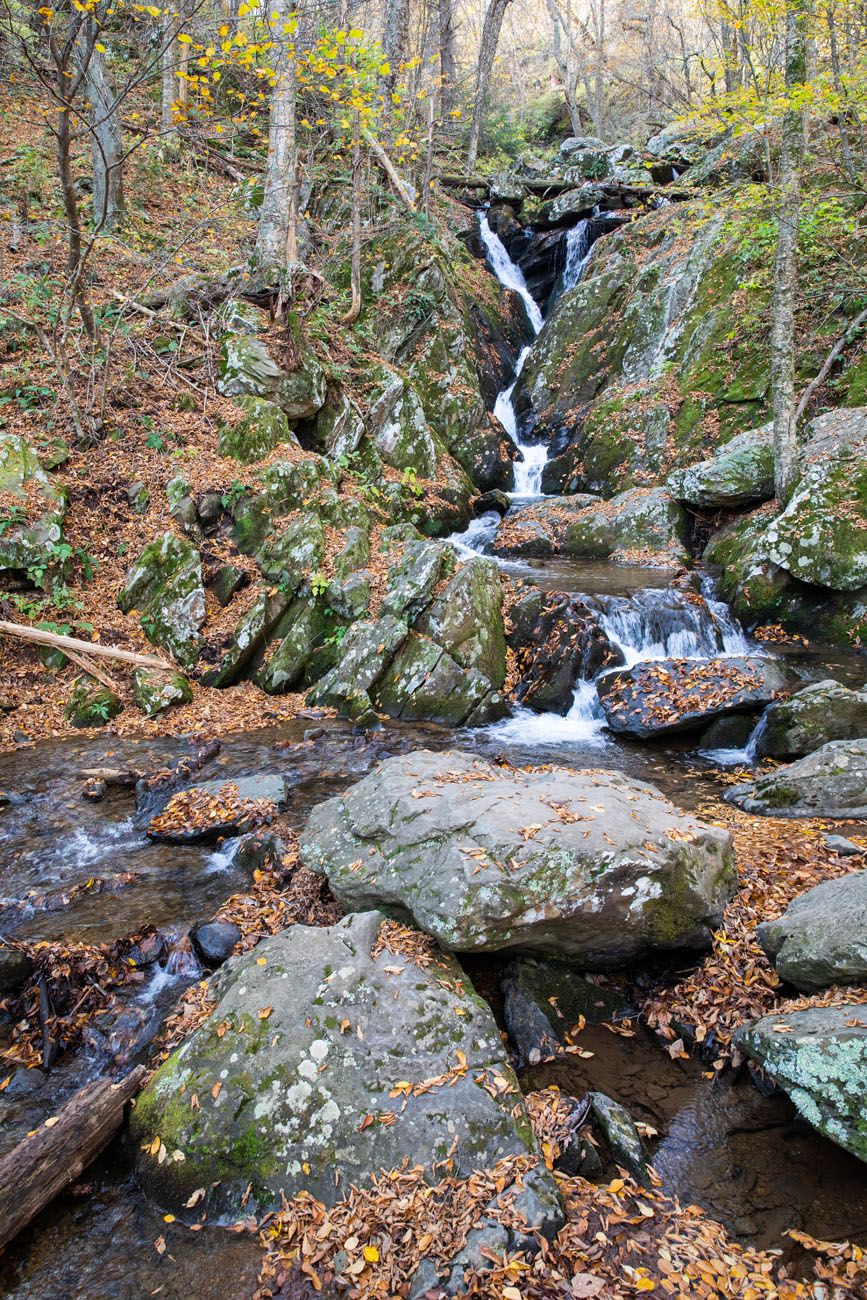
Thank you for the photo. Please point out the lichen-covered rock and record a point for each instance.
(298, 642)
(668, 696)
(165, 587)
(467, 620)
(830, 782)
(573, 204)
(247, 369)
(91, 704)
(589, 865)
(287, 486)
(413, 577)
(154, 692)
(312, 1033)
(643, 525)
(546, 1002)
(821, 1062)
(423, 683)
(739, 474)
(558, 640)
(293, 553)
(365, 653)
(32, 515)
(821, 938)
(261, 428)
(821, 712)
(617, 1127)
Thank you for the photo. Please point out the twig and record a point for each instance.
(832, 356)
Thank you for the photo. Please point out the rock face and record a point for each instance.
(831, 782)
(583, 864)
(739, 474)
(165, 586)
(821, 1063)
(319, 1028)
(821, 938)
(557, 639)
(822, 712)
(664, 697)
(32, 514)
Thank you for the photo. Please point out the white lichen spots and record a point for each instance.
(319, 1049)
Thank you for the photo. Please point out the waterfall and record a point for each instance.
(665, 624)
(508, 274)
(578, 247)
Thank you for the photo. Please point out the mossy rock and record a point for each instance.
(154, 692)
(247, 369)
(32, 516)
(165, 587)
(91, 704)
(261, 429)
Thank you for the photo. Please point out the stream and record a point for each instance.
(744, 1157)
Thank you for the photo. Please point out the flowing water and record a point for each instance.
(82, 871)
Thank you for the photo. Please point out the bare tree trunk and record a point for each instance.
(105, 128)
(786, 262)
(565, 63)
(394, 36)
(447, 53)
(277, 236)
(494, 15)
(168, 86)
(355, 265)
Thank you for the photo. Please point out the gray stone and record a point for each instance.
(467, 619)
(821, 1061)
(214, 941)
(320, 1033)
(365, 653)
(821, 938)
(228, 580)
(411, 580)
(165, 587)
(423, 683)
(822, 712)
(544, 1002)
(154, 692)
(739, 474)
(830, 782)
(15, 967)
(481, 858)
(247, 369)
(842, 847)
(616, 1125)
(223, 821)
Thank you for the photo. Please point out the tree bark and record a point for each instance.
(168, 81)
(448, 65)
(786, 261)
(105, 130)
(394, 37)
(276, 235)
(355, 264)
(35, 1171)
(494, 15)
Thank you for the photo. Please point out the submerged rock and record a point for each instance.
(313, 1032)
(822, 712)
(830, 782)
(589, 865)
(617, 1126)
(213, 810)
(821, 1061)
(668, 696)
(821, 938)
(544, 1003)
(15, 967)
(165, 587)
(91, 704)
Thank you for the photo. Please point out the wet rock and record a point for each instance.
(423, 683)
(739, 474)
(214, 941)
(247, 369)
(165, 587)
(830, 782)
(495, 500)
(643, 525)
(320, 1032)
(819, 939)
(467, 620)
(558, 640)
(228, 580)
(730, 732)
(90, 704)
(154, 692)
(261, 428)
(616, 1125)
(573, 204)
(668, 696)
(223, 808)
(16, 967)
(544, 1003)
(822, 712)
(259, 850)
(821, 1062)
(486, 858)
(32, 516)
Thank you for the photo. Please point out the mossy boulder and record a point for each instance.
(467, 619)
(261, 428)
(282, 489)
(365, 653)
(154, 692)
(247, 643)
(165, 587)
(821, 1062)
(90, 704)
(299, 649)
(247, 369)
(312, 1033)
(611, 871)
(32, 515)
(819, 939)
(830, 782)
(643, 525)
(423, 683)
(293, 552)
(822, 712)
(413, 576)
(739, 474)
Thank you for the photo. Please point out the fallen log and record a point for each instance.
(39, 1168)
(153, 792)
(40, 637)
(113, 775)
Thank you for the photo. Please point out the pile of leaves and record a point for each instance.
(777, 859)
(210, 814)
(662, 694)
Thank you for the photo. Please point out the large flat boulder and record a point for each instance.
(329, 1057)
(667, 696)
(589, 865)
(821, 938)
(822, 712)
(819, 1057)
(831, 782)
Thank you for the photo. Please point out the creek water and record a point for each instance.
(77, 870)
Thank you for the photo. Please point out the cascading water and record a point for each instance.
(578, 246)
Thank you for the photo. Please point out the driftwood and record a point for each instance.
(152, 793)
(88, 648)
(113, 775)
(39, 1168)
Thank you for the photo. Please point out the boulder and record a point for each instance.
(90, 704)
(227, 581)
(365, 653)
(617, 1127)
(822, 712)
(261, 428)
(739, 474)
(587, 865)
(830, 782)
(250, 636)
(545, 1003)
(558, 639)
(154, 692)
(32, 515)
(643, 525)
(301, 648)
(247, 369)
(214, 810)
(821, 938)
(423, 683)
(316, 1036)
(165, 587)
(467, 619)
(413, 576)
(214, 941)
(292, 554)
(573, 204)
(820, 1060)
(667, 696)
